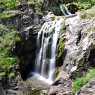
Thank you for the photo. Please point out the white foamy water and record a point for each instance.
(46, 50)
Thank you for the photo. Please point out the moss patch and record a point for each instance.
(60, 52)
(80, 82)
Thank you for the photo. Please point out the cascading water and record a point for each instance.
(64, 10)
(46, 50)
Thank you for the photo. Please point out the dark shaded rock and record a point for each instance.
(2, 91)
(72, 35)
(26, 50)
(10, 21)
(1, 9)
(28, 26)
(72, 8)
(11, 92)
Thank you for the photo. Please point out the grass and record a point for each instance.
(80, 82)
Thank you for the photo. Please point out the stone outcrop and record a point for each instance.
(26, 50)
(79, 55)
(29, 24)
(73, 31)
(79, 44)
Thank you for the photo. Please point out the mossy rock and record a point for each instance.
(60, 51)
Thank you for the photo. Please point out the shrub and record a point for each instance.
(8, 38)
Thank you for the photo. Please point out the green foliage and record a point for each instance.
(80, 82)
(7, 40)
(9, 4)
(85, 4)
(82, 4)
(61, 47)
(12, 4)
(60, 52)
(88, 14)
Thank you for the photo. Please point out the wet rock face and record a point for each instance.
(79, 45)
(79, 55)
(1, 9)
(28, 25)
(2, 92)
(26, 51)
(73, 29)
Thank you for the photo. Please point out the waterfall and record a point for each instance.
(45, 63)
(64, 10)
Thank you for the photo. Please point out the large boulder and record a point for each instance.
(80, 42)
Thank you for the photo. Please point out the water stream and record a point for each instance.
(46, 50)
